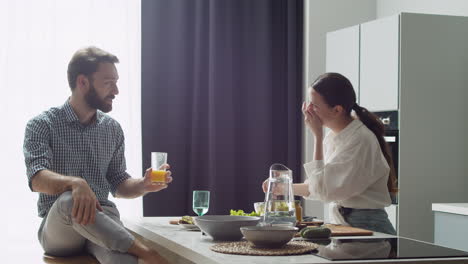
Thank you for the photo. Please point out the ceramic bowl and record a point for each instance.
(269, 236)
(225, 227)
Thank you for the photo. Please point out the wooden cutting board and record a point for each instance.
(340, 230)
(315, 222)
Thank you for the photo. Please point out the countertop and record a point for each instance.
(192, 247)
(454, 208)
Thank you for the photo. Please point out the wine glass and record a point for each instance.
(201, 202)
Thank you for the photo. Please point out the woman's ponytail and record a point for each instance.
(374, 124)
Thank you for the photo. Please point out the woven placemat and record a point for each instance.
(245, 248)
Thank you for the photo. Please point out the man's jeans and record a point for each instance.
(106, 238)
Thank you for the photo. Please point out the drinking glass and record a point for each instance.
(158, 159)
(201, 202)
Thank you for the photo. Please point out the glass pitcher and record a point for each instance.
(279, 198)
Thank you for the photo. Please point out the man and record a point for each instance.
(74, 157)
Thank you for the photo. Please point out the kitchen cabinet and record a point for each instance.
(379, 64)
(418, 64)
(344, 58)
(450, 225)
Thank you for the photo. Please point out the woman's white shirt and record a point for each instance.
(354, 171)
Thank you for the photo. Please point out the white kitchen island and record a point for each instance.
(182, 246)
(451, 225)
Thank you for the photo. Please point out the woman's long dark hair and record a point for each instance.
(338, 90)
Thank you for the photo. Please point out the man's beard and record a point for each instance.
(93, 100)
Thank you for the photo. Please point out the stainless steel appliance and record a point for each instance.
(390, 121)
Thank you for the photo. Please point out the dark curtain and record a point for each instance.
(221, 93)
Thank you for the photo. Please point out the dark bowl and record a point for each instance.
(269, 236)
(225, 227)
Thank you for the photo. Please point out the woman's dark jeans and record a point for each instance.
(370, 219)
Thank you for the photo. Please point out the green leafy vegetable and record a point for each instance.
(186, 219)
(242, 213)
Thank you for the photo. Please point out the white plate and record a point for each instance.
(190, 227)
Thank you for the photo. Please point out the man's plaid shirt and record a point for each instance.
(56, 140)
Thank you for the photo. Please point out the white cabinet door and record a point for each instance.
(379, 64)
(343, 54)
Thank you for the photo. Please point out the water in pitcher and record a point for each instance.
(279, 198)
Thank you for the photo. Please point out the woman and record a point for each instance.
(352, 166)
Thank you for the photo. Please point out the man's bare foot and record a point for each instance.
(153, 258)
(146, 255)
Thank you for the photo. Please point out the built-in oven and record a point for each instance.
(390, 121)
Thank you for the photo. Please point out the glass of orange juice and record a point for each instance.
(158, 159)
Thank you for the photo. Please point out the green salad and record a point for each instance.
(186, 219)
(241, 212)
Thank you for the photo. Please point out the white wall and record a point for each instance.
(320, 17)
(441, 7)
